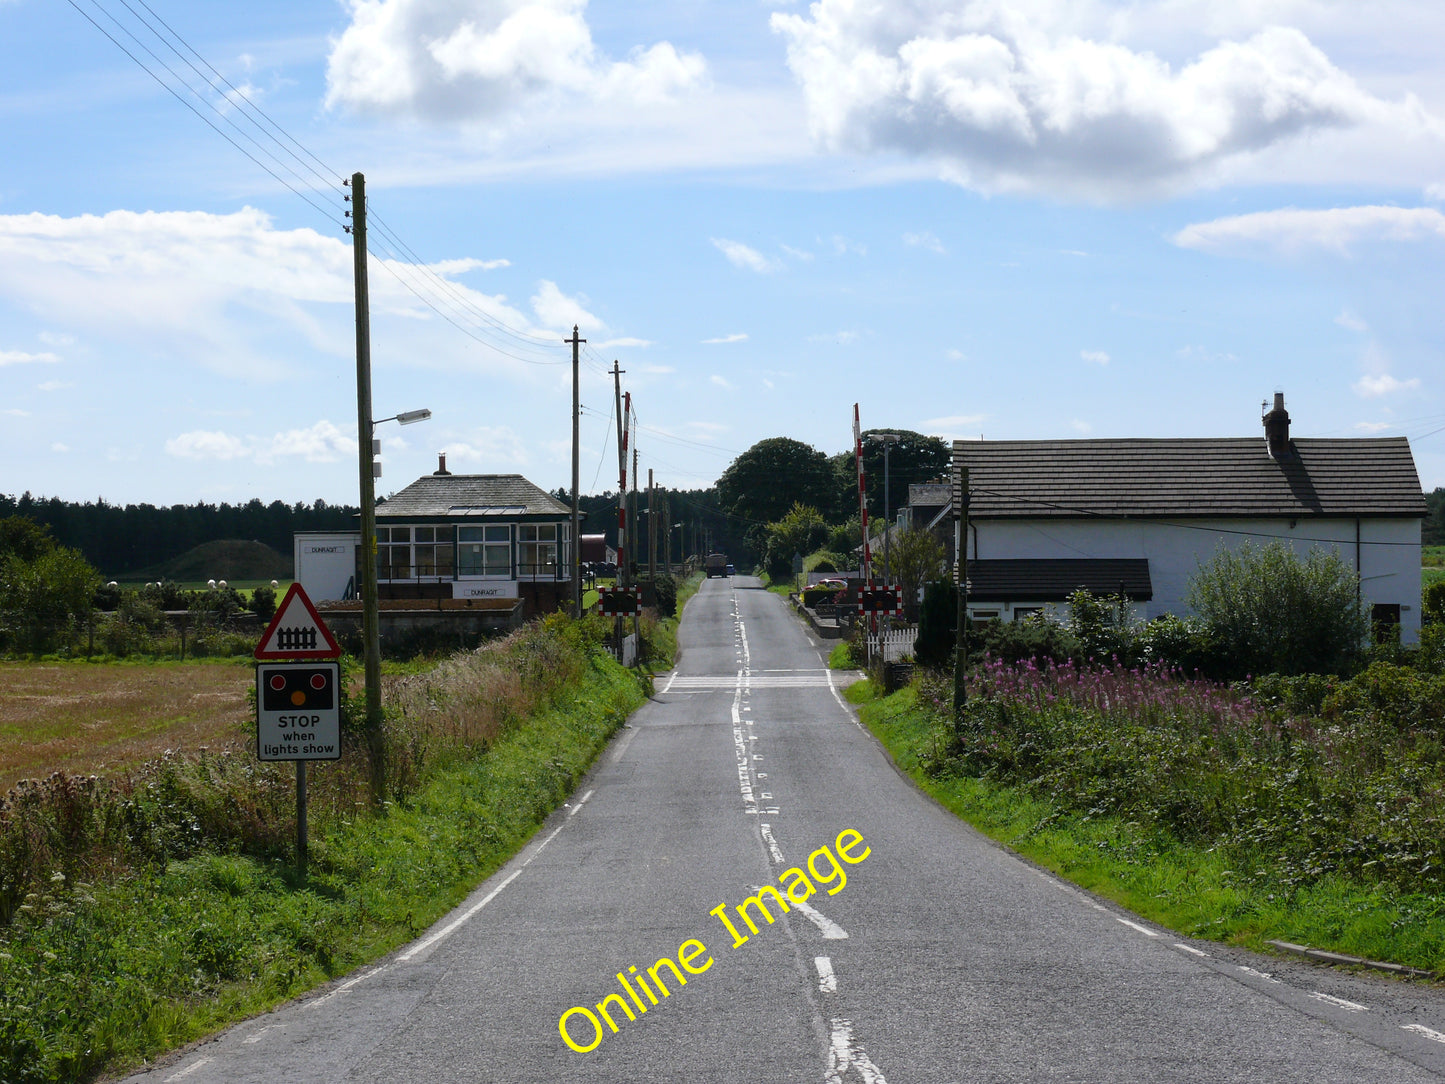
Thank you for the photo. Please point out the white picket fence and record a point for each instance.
(893, 643)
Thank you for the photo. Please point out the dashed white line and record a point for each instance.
(827, 981)
(1429, 1033)
(189, 1069)
(580, 802)
(1190, 948)
(831, 930)
(1339, 1002)
(1135, 926)
(257, 1036)
(773, 848)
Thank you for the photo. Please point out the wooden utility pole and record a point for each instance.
(651, 534)
(370, 611)
(617, 372)
(576, 480)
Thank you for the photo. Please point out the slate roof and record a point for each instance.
(1054, 580)
(1190, 477)
(450, 496)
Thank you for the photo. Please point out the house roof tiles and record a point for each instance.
(459, 495)
(1190, 477)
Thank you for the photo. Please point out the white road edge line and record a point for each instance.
(189, 1069)
(668, 687)
(451, 926)
(316, 1003)
(827, 981)
(1257, 974)
(257, 1036)
(580, 802)
(1339, 1001)
(1429, 1033)
(831, 930)
(1135, 926)
(1191, 948)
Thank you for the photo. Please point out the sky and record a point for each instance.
(996, 219)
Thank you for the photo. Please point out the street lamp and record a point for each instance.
(370, 610)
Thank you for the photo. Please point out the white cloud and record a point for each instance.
(319, 443)
(955, 354)
(228, 292)
(1098, 357)
(954, 427)
(842, 338)
(59, 447)
(1348, 320)
(1079, 426)
(1372, 386)
(1435, 192)
(924, 240)
(556, 310)
(56, 385)
(740, 255)
(20, 357)
(1047, 96)
(625, 341)
(486, 59)
(1373, 427)
(13, 412)
(1291, 230)
(842, 246)
(797, 253)
(719, 381)
(487, 447)
(735, 337)
(52, 338)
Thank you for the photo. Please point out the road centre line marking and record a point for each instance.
(1338, 1001)
(1190, 948)
(845, 1053)
(189, 1069)
(1135, 926)
(767, 831)
(1429, 1033)
(450, 927)
(580, 802)
(831, 930)
(827, 981)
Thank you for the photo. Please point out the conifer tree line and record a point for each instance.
(119, 539)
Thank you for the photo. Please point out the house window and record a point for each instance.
(409, 553)
(537, 549)
(1023, 613)
(984, 615)
(484, 551)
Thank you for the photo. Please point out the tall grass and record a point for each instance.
(1357, 791)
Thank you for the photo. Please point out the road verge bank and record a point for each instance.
(98, 972)
(1200, 891)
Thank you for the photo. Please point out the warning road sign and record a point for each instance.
(297, 631)
(297, 715)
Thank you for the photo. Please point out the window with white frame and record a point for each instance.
(409, 553)
(537, 549)
(484, 551)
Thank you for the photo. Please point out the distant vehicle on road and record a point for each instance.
(716, 565)
(731, 570)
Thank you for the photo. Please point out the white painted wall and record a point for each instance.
(1388, 551)
(325, 562)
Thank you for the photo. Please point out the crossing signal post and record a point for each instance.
(298, 695)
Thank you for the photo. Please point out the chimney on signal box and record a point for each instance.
(1276, 429)
(442, 465)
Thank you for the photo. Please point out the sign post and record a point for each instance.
(298, 695)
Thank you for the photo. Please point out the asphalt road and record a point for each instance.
(940, 958)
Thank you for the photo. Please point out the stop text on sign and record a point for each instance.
(298, 715)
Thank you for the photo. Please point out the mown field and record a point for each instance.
(85, 718)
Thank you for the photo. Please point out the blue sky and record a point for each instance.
(1024, 219)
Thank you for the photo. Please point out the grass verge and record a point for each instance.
(100, 976)
(1187, 888)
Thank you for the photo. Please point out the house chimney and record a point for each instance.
(442, 465)
(1276, 429)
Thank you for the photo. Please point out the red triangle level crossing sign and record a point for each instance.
(297, 631)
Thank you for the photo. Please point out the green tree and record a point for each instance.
(764, 483)
(911, 460)
(915, 557)
(1269, 611)
(45, 599)
(802, 530)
